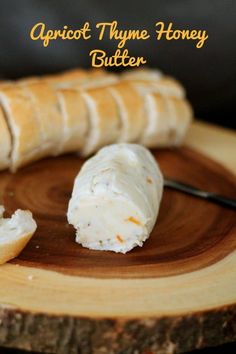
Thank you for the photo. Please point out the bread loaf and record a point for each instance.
(83, 110)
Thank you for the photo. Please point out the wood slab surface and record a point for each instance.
(176, 293)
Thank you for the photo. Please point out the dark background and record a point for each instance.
(209, 73)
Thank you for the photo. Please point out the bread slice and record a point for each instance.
(76, 121)
(48, 116)
(15, 233)
(167, 86)
(130, 106)
(5, 142)
(158, 122)
(182, 114)
(167, 120)
(152, 80)
(24, 128)
(104, 119)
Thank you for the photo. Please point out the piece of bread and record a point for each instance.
(157, 127)
(76, 121)
(152, 80)
(182, 114)
(167, 86)
(167, 120)
(48, 115)
(116, 198)
(15, 233)
(24, 128)
(130, 106)
(104, 120)
(5, 142)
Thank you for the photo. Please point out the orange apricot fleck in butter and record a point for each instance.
(120, 239)
(134, 220)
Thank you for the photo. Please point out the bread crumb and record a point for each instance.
(37, 246)
(30, 277)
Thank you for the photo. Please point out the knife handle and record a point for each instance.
(188, 189)
(231, 203)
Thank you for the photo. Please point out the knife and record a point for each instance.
(188, 189)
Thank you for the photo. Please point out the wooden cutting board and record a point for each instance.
(175, 294)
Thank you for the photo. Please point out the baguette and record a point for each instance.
(83, 110)
(15, 233)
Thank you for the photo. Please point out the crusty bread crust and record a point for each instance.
(166, 86)
(15, 233)
(11, 250)
(5, 142)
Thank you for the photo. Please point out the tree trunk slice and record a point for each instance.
(175, 294)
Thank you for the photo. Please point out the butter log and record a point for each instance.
(116, 198)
